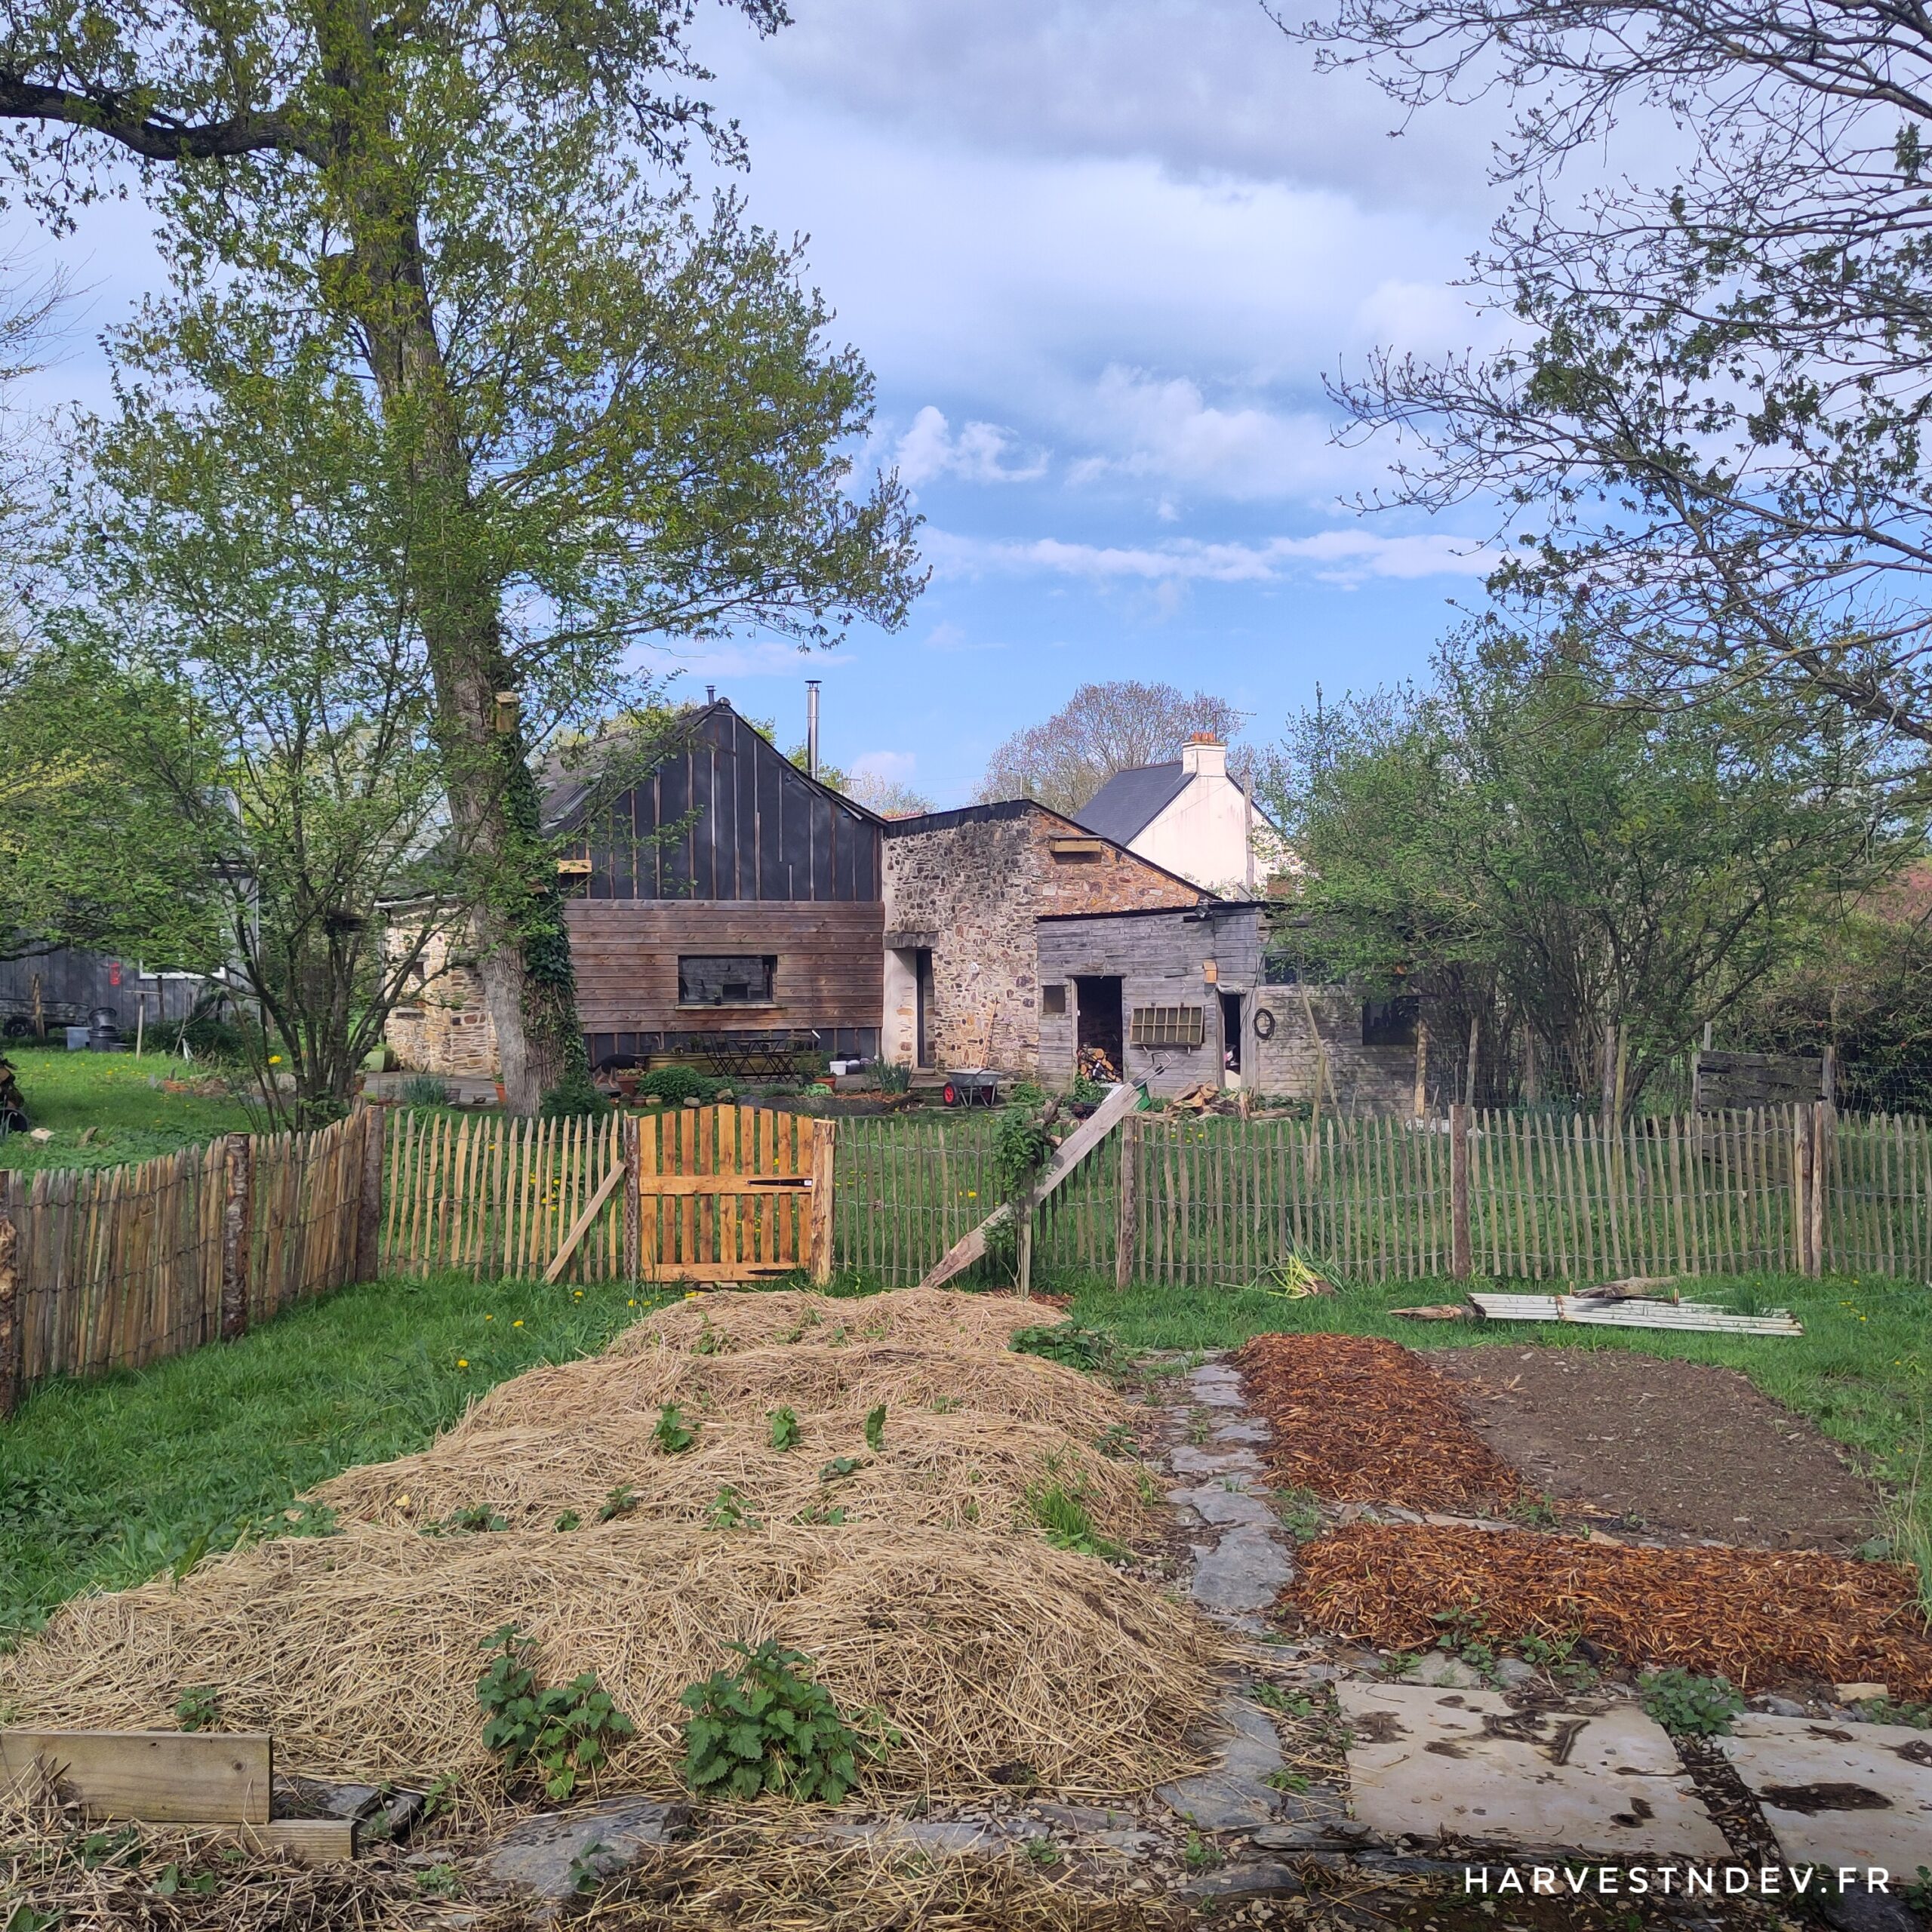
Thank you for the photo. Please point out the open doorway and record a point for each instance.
(1231, 1070)
(922, 1006)
(1098, 1027)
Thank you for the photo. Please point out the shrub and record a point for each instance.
(892, 1077)
(674, 1085)
(1094, 1349)
(563, 1731)
(425, 1090)
(766, 1726)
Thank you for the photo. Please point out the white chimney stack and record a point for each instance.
(811, 726)
(1204, 752)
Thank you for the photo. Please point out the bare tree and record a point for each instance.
(1102, 729)
(1708, 440)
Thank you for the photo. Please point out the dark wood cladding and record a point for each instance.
(831, 963)
(728, 818)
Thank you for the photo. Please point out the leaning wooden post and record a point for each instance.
(1127, 1230)
(633, 1208)
(369, 1200)
(237, 1165)
(824, 1133)
(13, 1322)
(1458, 1190)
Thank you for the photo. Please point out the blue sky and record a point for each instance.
(1100, 255)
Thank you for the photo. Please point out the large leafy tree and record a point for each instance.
(1707, 433)
(598, 411)
(1530, 854)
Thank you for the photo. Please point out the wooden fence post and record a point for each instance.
(1801, 1189)
(633, 1208)
(369, 1197)
(13, 1316)
(1127, 1230)
(237, 1165)
(1823, 1119)
(824, 1168)
(1458, 1190)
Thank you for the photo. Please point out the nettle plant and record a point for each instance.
(766, 1726)
(562, 1732)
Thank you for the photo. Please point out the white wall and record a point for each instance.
(1203, 835)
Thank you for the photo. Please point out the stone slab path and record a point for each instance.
(1838, 1795)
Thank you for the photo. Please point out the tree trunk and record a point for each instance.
(523, 946)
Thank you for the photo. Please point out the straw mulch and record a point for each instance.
(44, 1879)
(934, 1471)
(1759, 1617)
(746, 1386)
(727, 1320)
(1357, 1421)
(743, 1876)
(360, 1651)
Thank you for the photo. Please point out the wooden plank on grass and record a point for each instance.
(163, 1777)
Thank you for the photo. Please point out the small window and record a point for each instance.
(1389, 1023)
(713, 979)
(1167, 1025)
(1278, 970)
(1053, 1000)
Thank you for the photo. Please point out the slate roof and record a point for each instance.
(1130, 801)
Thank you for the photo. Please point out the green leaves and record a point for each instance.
(875, 1428)
(784, 1429)
(672, 1434)
(563, 1732)
(766, 1726)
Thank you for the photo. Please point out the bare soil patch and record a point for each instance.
(1354, 1419)
(1664, 1446)
(1762, 1617)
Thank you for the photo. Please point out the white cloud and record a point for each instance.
(888, 768)
(1166, 429)
(979, 454)
(1335, 556)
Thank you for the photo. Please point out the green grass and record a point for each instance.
(1862, 1370)
(104, 1483)
(120, 1098)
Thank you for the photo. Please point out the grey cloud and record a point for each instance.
(1202, 86)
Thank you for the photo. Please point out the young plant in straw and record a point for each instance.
(564, 1732)
(766, 1726)
(673, 1435)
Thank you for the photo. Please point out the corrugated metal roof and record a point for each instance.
(1130, 801)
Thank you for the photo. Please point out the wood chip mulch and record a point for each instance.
(1356, 1419)
(1759, 1617)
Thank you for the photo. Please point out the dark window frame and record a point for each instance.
(760, 982)
(1391, 1023)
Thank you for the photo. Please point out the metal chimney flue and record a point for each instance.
(811, 727)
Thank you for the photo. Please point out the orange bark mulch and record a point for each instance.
(1755, 1616)
(1359, 1420)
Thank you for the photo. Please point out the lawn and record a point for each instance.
(133, 1117)
(1862, 1370)
(106, 1482)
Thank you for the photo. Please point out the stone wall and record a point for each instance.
(442, 1026)
(968, 885)
(1190, 961)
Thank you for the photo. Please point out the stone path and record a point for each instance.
(1447, 1763)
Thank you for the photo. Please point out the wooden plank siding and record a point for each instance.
(831, 962)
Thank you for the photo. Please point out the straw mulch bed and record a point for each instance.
(1359, 1420)
(747, 1385)
(728, 1320)
(937, 1471)
(360, 1651)
(1759, 1617)
(746, 1878)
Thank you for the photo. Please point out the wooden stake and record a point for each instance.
(368, 1262)
(1127, 1227)
(12, 1324)
(818, 1215)
(1421, 1065)
(1459, 1191)
(238, 1165)
(633, 1259)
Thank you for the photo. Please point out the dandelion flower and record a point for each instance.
(274, 1059)
(518, 1323)
(489, 1318)
(460, 1364)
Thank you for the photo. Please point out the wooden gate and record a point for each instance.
(733, 1194)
